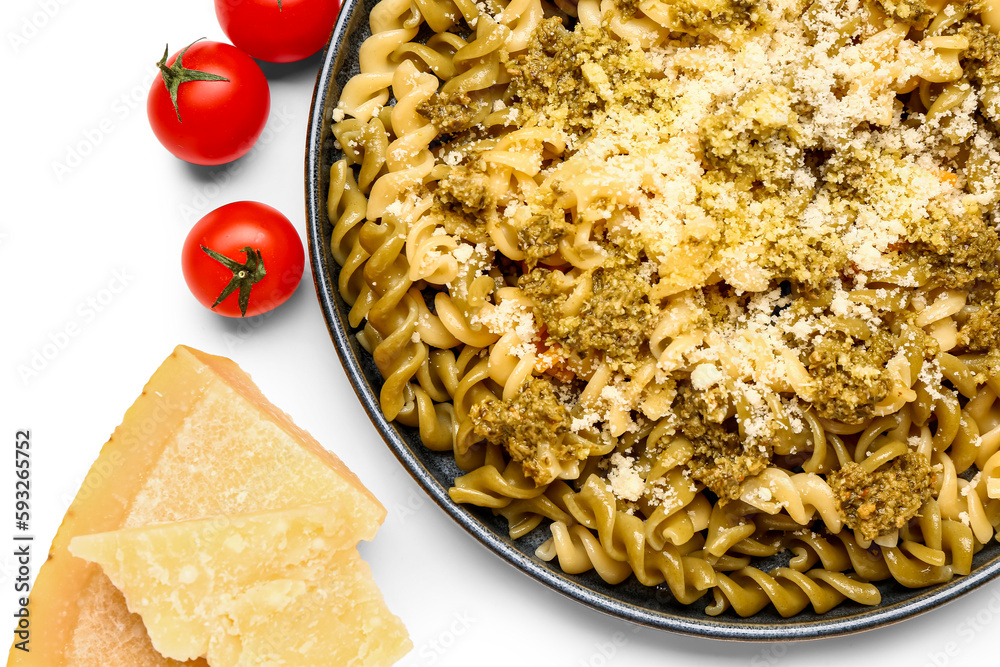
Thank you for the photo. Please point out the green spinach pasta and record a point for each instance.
(690, 284)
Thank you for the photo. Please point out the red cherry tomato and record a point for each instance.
(243, 259)
(279, 31)
(221, 106)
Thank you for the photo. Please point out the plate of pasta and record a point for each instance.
(687, 309)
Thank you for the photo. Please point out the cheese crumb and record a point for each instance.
(705, 376)
(626, 482)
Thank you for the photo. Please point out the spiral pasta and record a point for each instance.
(689, 284)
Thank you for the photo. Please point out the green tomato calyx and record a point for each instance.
(245, 276)
(174, 75)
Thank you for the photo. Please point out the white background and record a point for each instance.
(94, 213)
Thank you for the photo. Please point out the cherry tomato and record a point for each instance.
(243, 259)
(279, 31)
(209, 104)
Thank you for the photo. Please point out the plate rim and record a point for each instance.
(742, 629)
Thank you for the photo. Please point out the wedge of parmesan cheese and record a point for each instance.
(200, 441)
(273, 588)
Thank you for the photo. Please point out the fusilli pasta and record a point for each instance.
(690, 283)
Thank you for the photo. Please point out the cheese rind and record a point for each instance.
(200, 441)
(274, 588)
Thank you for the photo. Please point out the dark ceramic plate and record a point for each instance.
(435, 472)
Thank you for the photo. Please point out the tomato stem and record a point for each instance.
(245, 276)
(174, 75)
